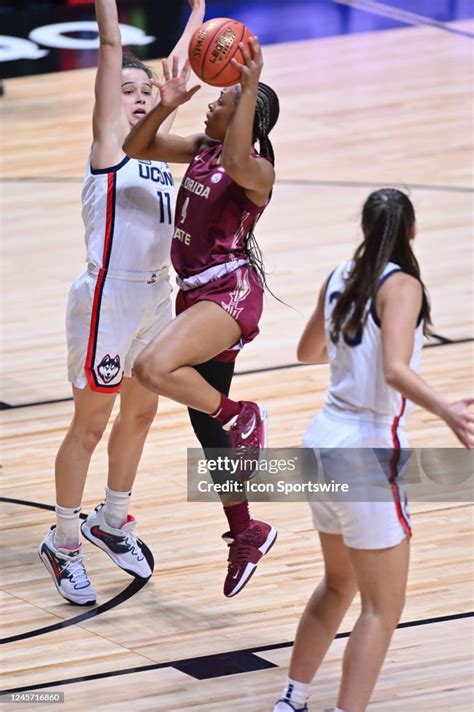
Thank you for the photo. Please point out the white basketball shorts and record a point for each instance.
(372, 524)
(110, 319)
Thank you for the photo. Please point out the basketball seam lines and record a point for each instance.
(204, 59)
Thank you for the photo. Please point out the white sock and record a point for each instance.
(295, 692)
(66, 533)
(116, 507)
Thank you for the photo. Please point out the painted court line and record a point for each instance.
(395, 13)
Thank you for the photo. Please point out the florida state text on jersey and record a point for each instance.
(213, 216)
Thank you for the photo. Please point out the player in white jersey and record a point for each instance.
(368, 323)
(120, 303)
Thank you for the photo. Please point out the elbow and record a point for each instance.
(303, 355)
(114, 41)
(132, 151)
(391, 379)
(393, 375)
(311, 350)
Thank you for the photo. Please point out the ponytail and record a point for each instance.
(388, 220)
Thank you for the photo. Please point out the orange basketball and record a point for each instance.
(212, 47)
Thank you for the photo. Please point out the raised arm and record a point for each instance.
(398, 306)
(256, 175)
(312, 344)
(107, 120)
(145, 142)
(198, 9)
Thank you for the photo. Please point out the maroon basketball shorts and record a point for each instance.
(240, 294)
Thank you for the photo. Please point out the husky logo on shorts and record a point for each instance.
(108, 368)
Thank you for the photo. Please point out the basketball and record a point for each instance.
(212, 47)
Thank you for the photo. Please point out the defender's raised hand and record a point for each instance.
(173, 87)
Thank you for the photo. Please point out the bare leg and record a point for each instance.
(324, 611)
(91, 414)
(137, 409)
(195, 336)
(381, 578)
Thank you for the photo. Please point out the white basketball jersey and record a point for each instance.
(128, 215)
(357, 376)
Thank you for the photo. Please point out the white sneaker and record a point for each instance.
(123, 547)
(67, 571)
(285, 706)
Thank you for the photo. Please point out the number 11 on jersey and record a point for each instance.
(162, 206)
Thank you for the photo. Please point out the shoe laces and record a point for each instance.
(241, 548)
(131, 542)
(75, 567)
(78, 573)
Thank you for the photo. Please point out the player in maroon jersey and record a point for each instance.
(225, 190)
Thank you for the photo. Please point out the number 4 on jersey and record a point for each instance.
(184, 211)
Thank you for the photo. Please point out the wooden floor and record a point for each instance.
(358, 112)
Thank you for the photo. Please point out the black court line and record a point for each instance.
(219, 665)
(284, 181)
(396, 13)
(134, 587)
(442, 341)
(7, 406)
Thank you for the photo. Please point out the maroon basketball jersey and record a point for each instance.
(213, 216)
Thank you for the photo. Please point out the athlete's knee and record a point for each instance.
(88, 434)
(387, 608)
(149, 372)
(156, 374)
(139, 420)
(342, 583)
(143, 371)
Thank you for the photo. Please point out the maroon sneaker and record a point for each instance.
(245, 551)
(248, 435)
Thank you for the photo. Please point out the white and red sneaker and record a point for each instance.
(248, 435)
(123, 547)
(245, 552)
(67, 571)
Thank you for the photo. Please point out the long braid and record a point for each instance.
(388, 235)
(267, 110)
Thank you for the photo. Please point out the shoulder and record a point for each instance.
(400, 282)
(401, 294)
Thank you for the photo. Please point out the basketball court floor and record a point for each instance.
(359, 110)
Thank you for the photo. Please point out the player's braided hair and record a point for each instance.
(388, 219)
(267, 110)
(129, 61)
